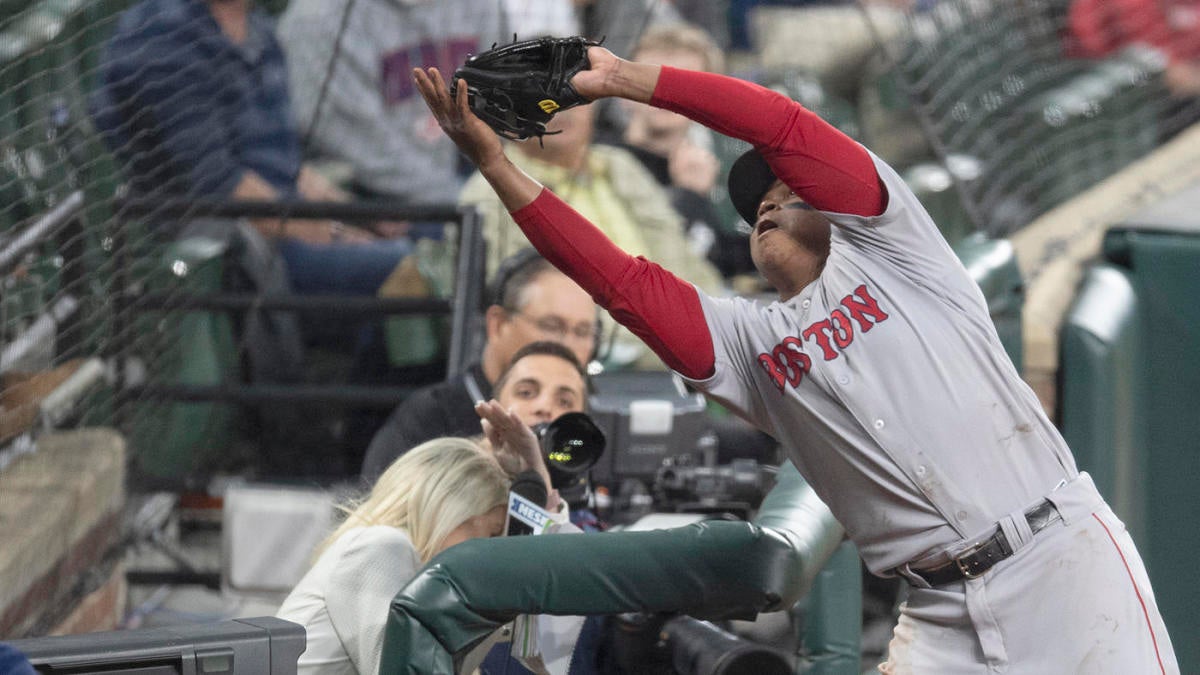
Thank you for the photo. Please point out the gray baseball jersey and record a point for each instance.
(886, 382)
(894, 317)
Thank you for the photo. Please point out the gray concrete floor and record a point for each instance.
(184, 549)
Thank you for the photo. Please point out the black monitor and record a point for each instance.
(254, 646)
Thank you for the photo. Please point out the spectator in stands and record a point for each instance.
(620, 23)
(443, 492)
(678, 152)
(611, 188)
(371, 116)
(1100, 27)
(530, 18)
(194, 99)
(529, 300)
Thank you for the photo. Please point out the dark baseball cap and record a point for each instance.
(749, 179)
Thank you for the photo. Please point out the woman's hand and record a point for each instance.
(472, 135)
(514, 445)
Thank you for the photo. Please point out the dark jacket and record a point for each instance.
(442, 409)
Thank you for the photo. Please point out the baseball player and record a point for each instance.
(880, 372)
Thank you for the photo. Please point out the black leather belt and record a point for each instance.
(980, 558)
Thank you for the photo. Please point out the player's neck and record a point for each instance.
(798, 278)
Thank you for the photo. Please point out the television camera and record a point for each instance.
(647, 449)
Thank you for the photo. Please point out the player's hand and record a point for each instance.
(596, 81)
(609, 75)
(472, 135)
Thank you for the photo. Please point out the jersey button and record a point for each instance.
(878, 424)
(806, 303)
(921, 470)
(843, 379)
(961, 515)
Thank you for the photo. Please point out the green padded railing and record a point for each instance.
(1100, 395)
(711, 570)
(1129, 389)
(993, 265)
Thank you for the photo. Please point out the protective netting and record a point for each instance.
(995, 112)
(1022, 114)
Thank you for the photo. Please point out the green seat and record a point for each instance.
(30, 175)
(993, 265)
(933, 184)
(11, 9)
(416, 340)
(59, 153)
(886, 115)
(171, 439)
(16, 188)
(972, 68)
(1135, 76)
(806, 89)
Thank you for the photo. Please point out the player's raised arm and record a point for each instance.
(828, 169)
(475, 139)
(661, 309)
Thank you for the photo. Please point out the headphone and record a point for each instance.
(513, 266)
(509, 268)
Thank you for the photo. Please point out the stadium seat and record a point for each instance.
(170, 439)
(416, 339)
(933, 184)
(973, 68)
(15, 185)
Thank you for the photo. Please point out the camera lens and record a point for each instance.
(571, 445)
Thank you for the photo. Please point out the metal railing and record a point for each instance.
(462, 307)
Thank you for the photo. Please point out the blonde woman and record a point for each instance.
(439, 494)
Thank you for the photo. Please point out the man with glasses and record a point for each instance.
(530, 301)
(612, 189)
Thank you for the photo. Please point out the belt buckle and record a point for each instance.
(964, 565)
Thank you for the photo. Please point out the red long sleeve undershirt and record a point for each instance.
(825, 167)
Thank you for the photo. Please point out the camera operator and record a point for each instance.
(544, 382)
(530, 300)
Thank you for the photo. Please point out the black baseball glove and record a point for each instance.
(517, 88)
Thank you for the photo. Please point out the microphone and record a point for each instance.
(529, 484)
(527, 487)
